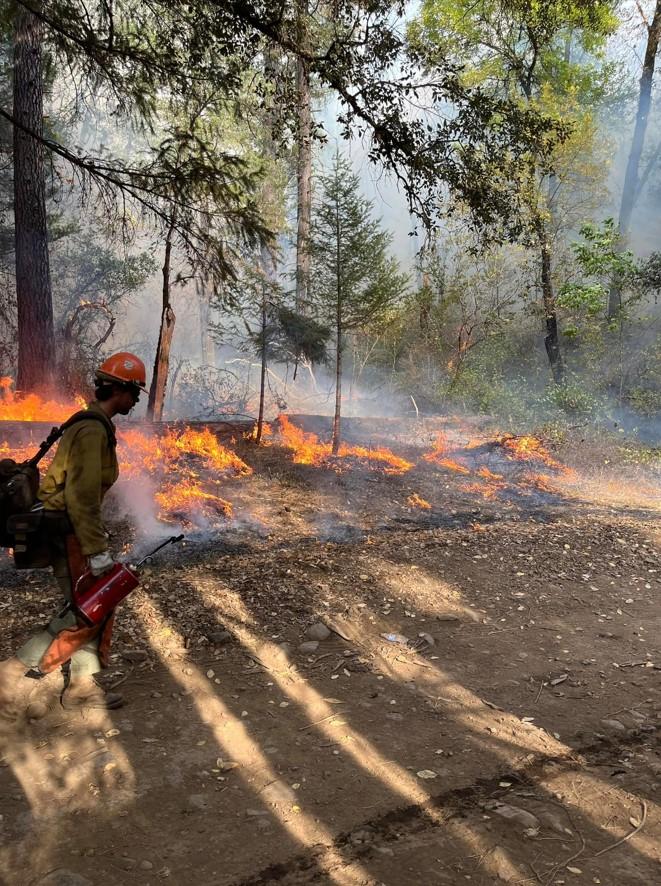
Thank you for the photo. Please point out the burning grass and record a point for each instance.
(529, 448)
(540, 482)
(451, 465)
(176, 450)
(32, 407)
(439, 456)
(18, 453)
(183, 471)
(309, 450)
(415, 501)
(439, 450)
(178, 501)
(182, 466)
(175, 461)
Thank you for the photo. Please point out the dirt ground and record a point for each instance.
(485, 708)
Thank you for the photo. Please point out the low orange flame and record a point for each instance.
(439, 449)
(309, 450)
(439, 456)
(179, 500)
(179, 454)
(205, 444)
(486, 474)
(172, 460)
(486, 490)
(18, 453)
(415, 501)
(452, 465)
(541, 482)
(529, 448)
(478, 527)
(267, 431)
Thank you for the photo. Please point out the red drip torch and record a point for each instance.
(95, 598)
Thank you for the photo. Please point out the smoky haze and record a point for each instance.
(211, 376)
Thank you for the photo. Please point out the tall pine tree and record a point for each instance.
(354, 281)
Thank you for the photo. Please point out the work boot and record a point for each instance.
(85, 692)
(16, 689)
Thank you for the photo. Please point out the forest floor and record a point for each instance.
(486, 707)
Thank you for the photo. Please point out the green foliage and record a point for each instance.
(573, 398)
(599, 256)
(354, 281)
(85, 270)
(649, 273)
(90, 283)
(640, 455)
(267, 324)
(127, 56)
(519, 45)
(300, 337)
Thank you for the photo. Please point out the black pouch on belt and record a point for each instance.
(31, 532)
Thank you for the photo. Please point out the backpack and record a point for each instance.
(19, 482)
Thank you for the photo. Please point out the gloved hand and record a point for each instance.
(100, 563)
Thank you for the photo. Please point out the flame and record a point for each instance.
(205, 444)
(139, 450)
(309, 450)
(452, 465)
(183, 498)
(18, 453)
(493, 485)
(179, 454)
(486, 474)
(267, 431)
(173, 460)
(487, 491)
(541, 482)
(529, 448)
(415, 501)
(32, 407)
(438, 456)
(439, 449)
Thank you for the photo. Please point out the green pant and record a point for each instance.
(85, 661)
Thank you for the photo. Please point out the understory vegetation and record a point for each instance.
(202, 185)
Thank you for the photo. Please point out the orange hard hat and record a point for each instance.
(124, 367)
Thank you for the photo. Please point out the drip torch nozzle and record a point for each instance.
(168, 541)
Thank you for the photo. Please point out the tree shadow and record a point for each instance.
(311, 775)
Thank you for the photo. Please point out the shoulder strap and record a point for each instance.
(56, 433)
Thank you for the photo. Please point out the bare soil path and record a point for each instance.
(485, 708)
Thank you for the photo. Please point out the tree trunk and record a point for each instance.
(262, 378)
(631, 187)
(338, 332)
(162, 360)
(36, 333)
(303, 167)
(337, 417)
(207, 355)
(552, 340)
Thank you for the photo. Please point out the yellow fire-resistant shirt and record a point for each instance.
(83, 470)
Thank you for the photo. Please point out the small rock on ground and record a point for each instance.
(318, 631)
(309, 647)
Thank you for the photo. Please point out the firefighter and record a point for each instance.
(83, 469)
